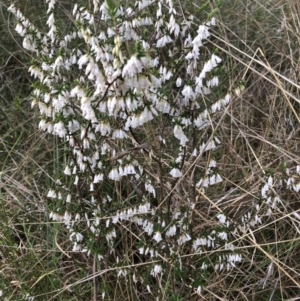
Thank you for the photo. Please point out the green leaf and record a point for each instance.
(203, 7)
(212, 13)
(111, 6)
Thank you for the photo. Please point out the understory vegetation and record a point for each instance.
(149, 150)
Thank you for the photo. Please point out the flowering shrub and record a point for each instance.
(130, 90)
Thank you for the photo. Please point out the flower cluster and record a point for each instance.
(131, 96)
